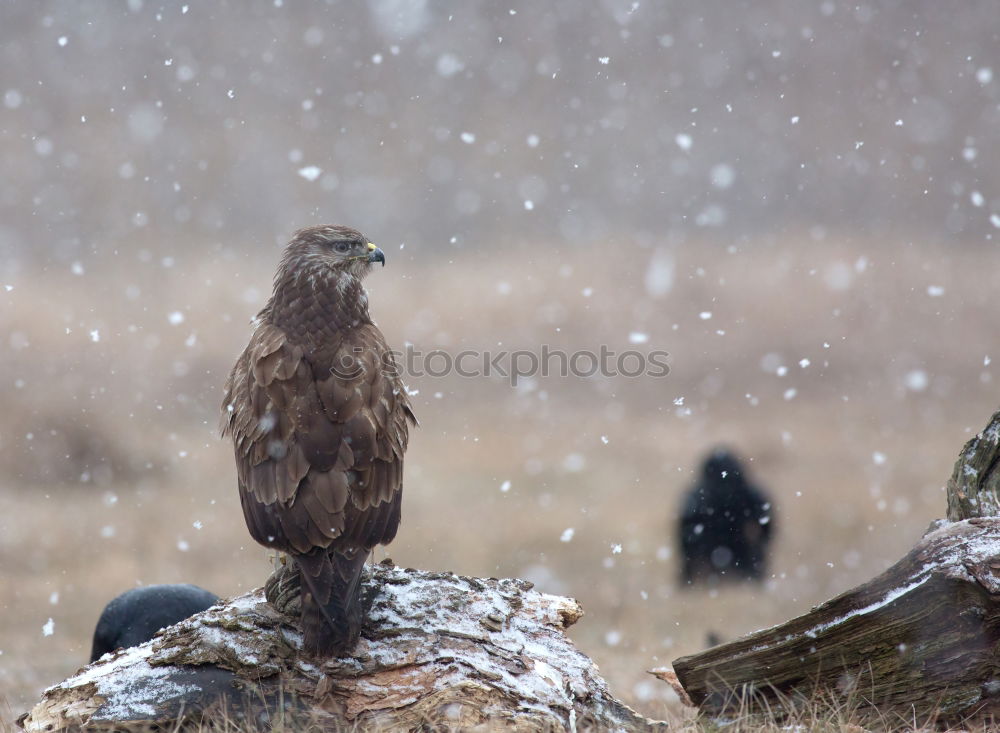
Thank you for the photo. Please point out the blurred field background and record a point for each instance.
(793, 200)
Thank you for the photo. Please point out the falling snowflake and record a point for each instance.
(311, 172)
(916, 380)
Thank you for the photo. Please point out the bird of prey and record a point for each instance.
(319, 419)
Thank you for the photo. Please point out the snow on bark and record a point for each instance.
(920, 640)
(437, 647)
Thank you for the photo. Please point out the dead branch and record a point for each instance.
(974, 487)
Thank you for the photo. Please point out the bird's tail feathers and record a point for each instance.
(332, 610)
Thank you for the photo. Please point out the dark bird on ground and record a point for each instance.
(726, 524)
(319, 419)
(136, 615)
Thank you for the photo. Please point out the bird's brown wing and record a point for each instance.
(361, 390)
(319, 444)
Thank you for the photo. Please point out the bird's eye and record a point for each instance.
(342, 247)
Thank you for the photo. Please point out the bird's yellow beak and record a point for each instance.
(375, 254)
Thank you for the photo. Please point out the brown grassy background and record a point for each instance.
(820, 177)
(109, 455)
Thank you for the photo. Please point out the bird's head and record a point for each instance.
(722, 464)
(329, 246)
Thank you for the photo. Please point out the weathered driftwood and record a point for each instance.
(921, 640)
(438, 650)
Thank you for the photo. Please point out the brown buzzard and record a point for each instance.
(320, 419)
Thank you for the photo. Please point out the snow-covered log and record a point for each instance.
(438, 649)
(921, 640)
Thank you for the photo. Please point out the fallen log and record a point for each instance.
(438, 650)
(921, 640)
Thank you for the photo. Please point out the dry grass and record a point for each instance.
(822, 713)
(123, 481)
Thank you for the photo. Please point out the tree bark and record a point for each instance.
(974, 487)
(438, 649)
(921, 640)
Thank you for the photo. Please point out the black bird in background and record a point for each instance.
(726, 524)
(136, 615)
